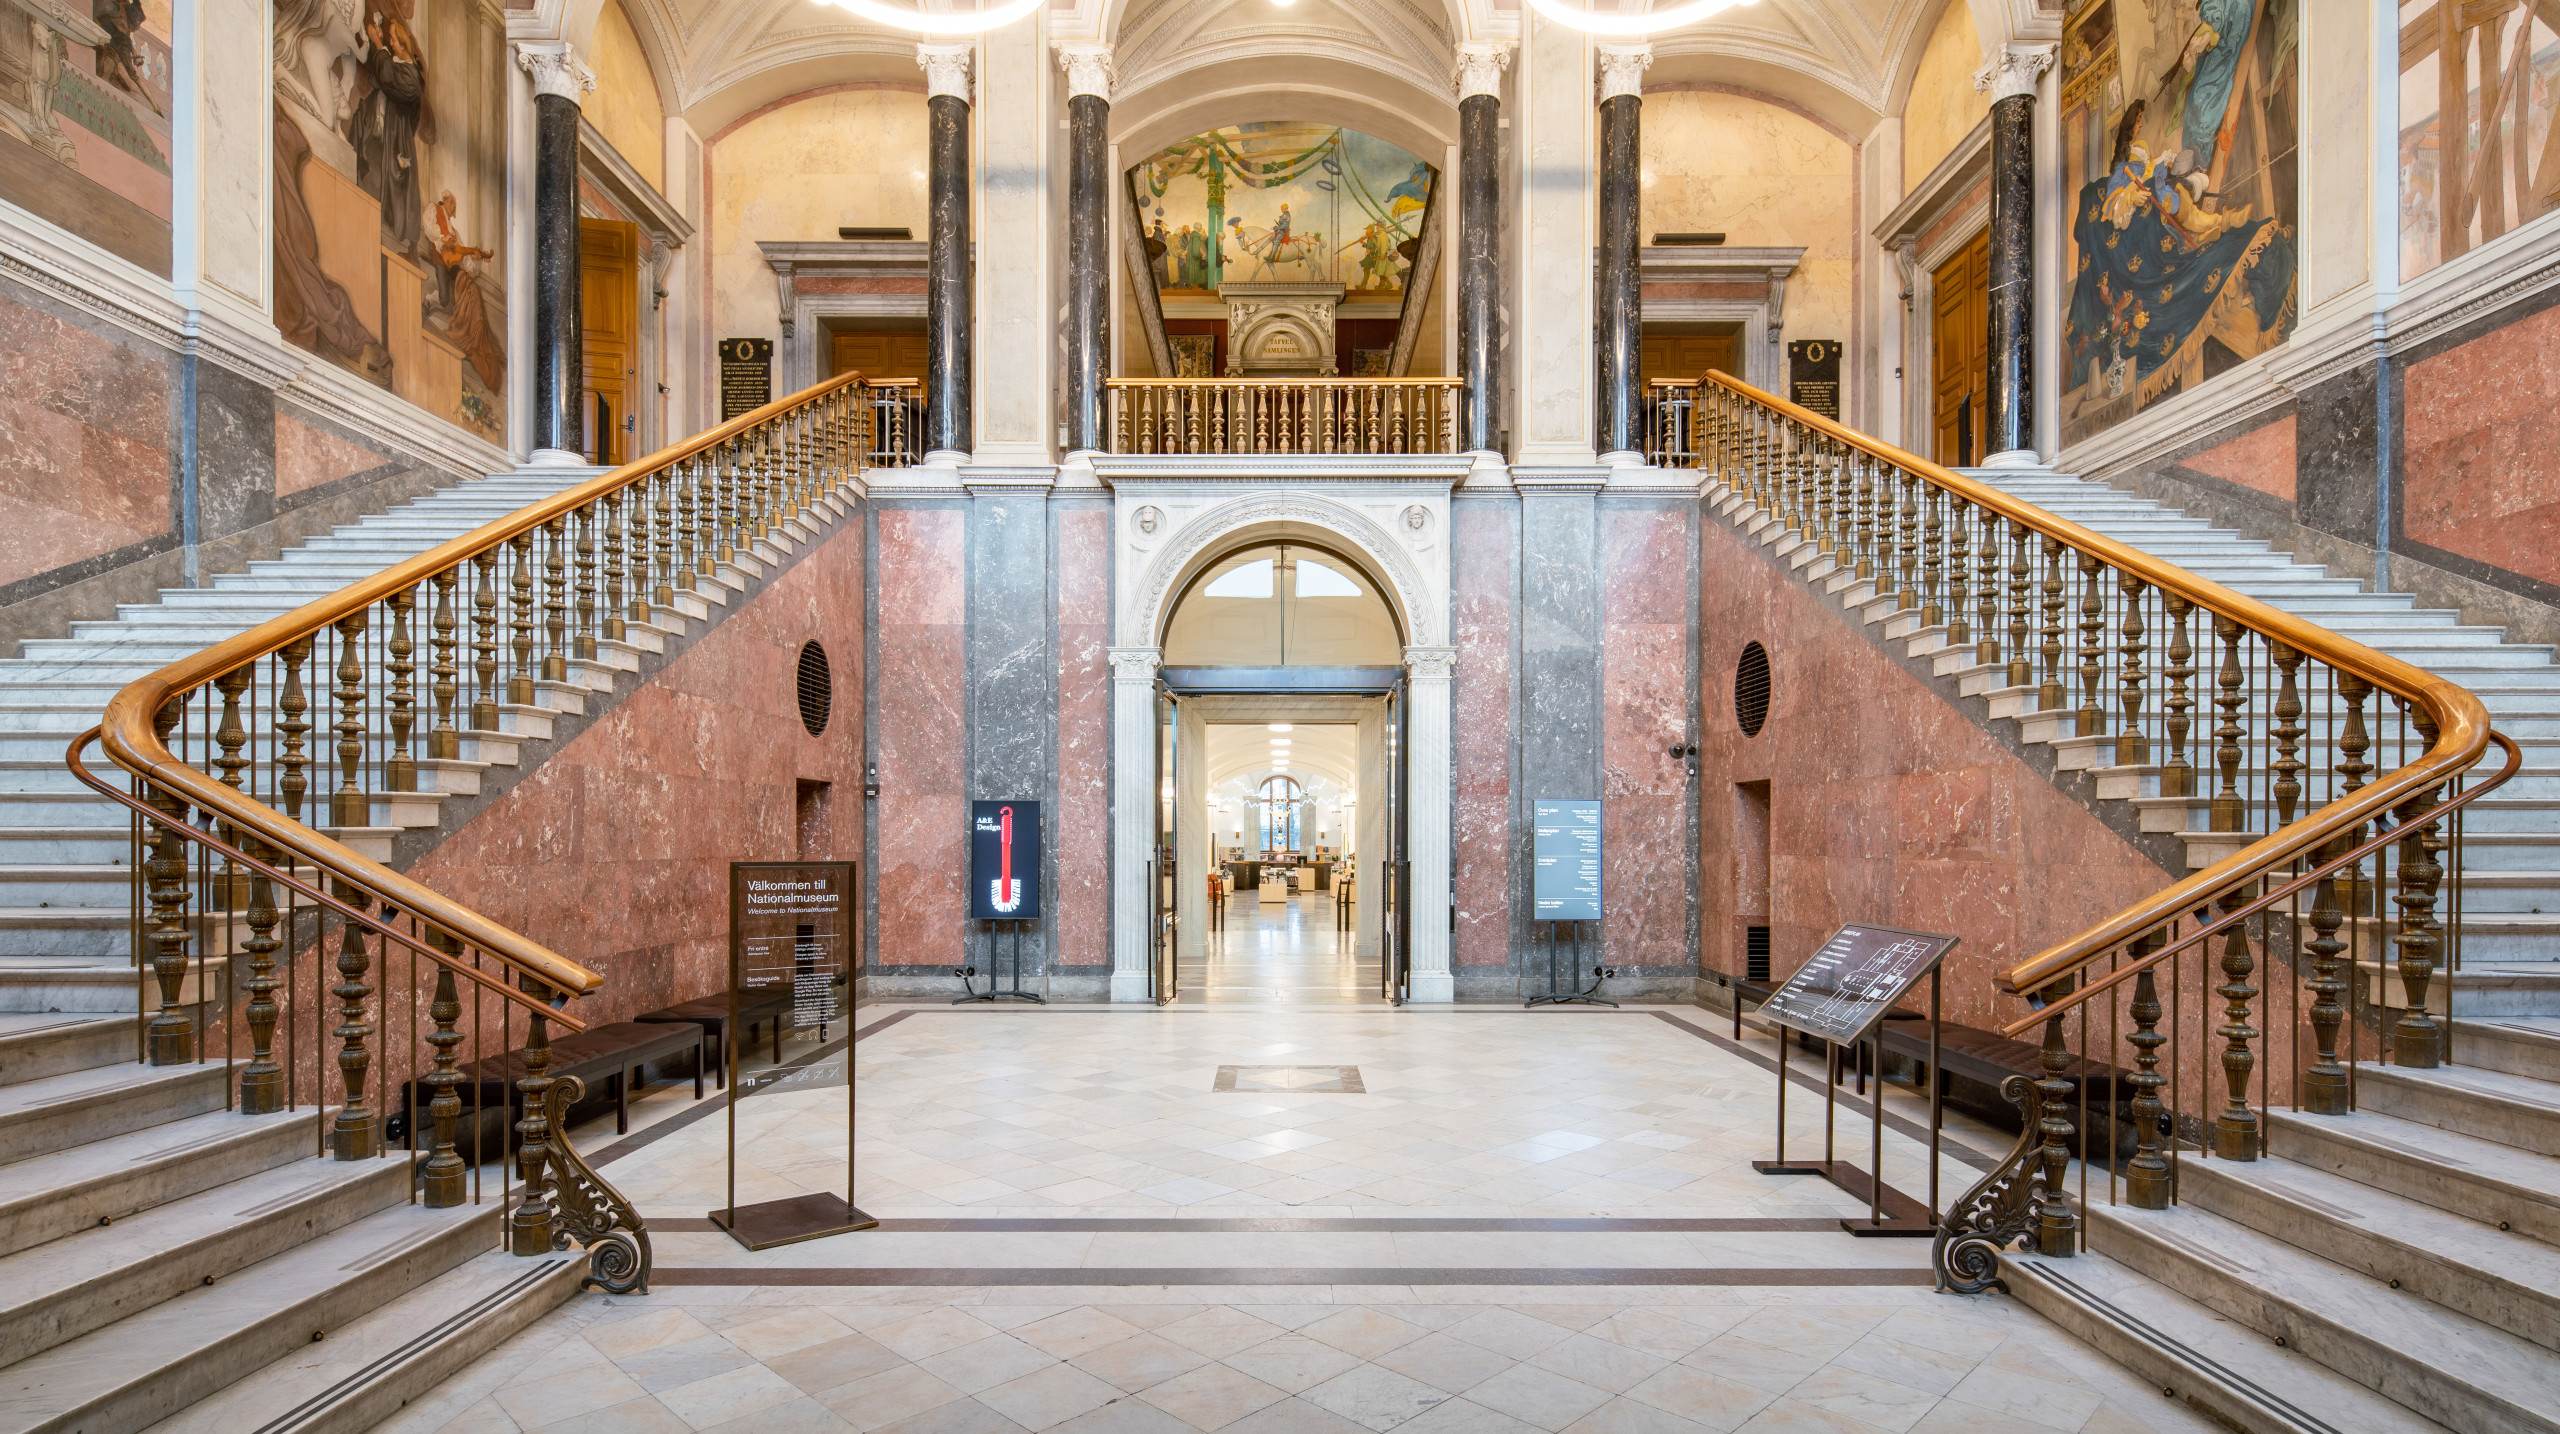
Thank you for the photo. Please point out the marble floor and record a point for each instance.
(1287, 1218)
(1278, 953)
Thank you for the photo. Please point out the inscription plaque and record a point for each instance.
(1813, 375)
(1854, 980)
(746, 376)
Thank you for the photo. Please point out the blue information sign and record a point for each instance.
(1565, 857)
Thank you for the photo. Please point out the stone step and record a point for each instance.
(55, 1113)
(31, 984)
(2526, 1046)
(369, 1369)
(2453, 1171)
(212, 1335)
(104, 1180)
(66, 1288)
(2510, 1109)
(2491, 892)
(43, 1043)
(2498, 1277)
(2444, 1365)
(2196, 1355)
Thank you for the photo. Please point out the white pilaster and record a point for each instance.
(1555, 144)
(1194, 831)
(1370, 897)
(1430, 776)
(1015, 354)
(222, 105)
(1134, 798)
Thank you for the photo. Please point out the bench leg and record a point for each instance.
(622, 1101)
(697, 1072)
(775, 1022)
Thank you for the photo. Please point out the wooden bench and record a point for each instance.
(710, 1016)
(1972, 1064)
(608, 1057)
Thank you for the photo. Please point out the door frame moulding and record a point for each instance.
(1763, 316)
(1932, 224)
(808, 279)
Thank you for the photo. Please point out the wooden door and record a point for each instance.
(1960, 353)
(876, 354)
(609, 320)
(1685, 356)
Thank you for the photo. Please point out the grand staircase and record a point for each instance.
(176, 1252)
(2393, 1263)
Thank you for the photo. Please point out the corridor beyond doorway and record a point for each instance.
(1278, 811)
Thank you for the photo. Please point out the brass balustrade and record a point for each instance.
(255, 768)
(2327, 778)
(1283, 415)
(1670, 423)
(897, 423)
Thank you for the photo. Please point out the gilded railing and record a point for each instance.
(897, 423)
(2320, 779)
(1283, 415)
(268, 773)
(1670, 422)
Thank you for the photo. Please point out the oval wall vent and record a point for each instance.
(1751, 689)
(817, 688)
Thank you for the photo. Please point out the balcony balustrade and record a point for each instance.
(1283, 415)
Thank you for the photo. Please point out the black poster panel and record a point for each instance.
(1004, 861)
(746, 376)
(1813, 375)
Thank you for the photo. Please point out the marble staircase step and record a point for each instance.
(31, 983)
(2446, 1366)
(2510, 1109)
(2454, 1171)
(2199, 1355)
(44, 1043)
(2526, 1046)
(65, 1288)
(104, 1180)
(54, 1113)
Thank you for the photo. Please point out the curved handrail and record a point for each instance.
(2461, 721)
(132, 741)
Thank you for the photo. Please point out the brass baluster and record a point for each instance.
(703, 515)
(2289, 730)
(170, 1039)
(2021, 561)
(520, 678)
(354, 1135)
(730, 523)
(555, 607)
(440, 1179)
(2235, 1130)
(2133, 748)
(2416, 1039)
(529, 1228)
(293, 723)
(484, 644)
(616, 575)
(1119, 418)
(2231, 694)
(350, 807)
(1986, 592)
(2354, 741)
(663, 538)
(2049, 696)
(2093, 623)
(2324, 1085)
(1933, 560)
(1862, 487)
(231, 736)
(399, 652)
(2146, 1182)
(2177, 774)
(262, 1089)
(1959, 570)
(444, 667)
(1907, 537)
(582, 616)
(2057, 1227)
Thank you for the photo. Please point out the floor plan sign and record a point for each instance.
(1854, 979)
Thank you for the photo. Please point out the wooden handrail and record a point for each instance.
(132, 742)
(1286, 381)
(2462, 722)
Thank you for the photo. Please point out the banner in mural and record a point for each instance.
(390, 172)
(1282, 202)
(84, 120)
(2179, 124)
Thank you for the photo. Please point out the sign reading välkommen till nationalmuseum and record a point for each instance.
(1004, 861)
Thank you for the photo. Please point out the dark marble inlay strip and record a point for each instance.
(1280, 1275)
(1310, 1225)
(2185, 1353)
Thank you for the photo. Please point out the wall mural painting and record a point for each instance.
(1282, 202)
(390, 135)
(2179, 122)
(2496, 167)
(85, 87)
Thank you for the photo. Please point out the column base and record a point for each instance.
(1129, 988)
(1623, 458)
(946, 458)
(1436, 988)
(2014, 458)
(556, 458)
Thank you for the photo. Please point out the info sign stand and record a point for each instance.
(1564, 888)
(1004, 893)
(792, 954)
(1841, 997)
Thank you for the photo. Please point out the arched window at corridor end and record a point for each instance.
(1283, 605)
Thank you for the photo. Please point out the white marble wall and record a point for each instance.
(1020, 244)
(223, 113)
(1554, 192)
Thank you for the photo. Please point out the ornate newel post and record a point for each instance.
(1089, 77)
(948, 425)
(1619, 300)
(1480, 66)
(2011, 82)
(559, 80)
(1134, 782)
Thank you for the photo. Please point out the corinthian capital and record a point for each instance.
(946, 70)
(1135, 664)
(1089, 70)
(1480, 67)
(2014, 71)
(1622, 70)
(556, 70)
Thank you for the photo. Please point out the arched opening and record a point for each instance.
(1283, 604)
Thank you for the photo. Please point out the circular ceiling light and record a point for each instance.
(1280, 727)
(1632, 25)
(947, 24)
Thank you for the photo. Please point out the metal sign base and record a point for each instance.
(1560, 990)
(792, 1220)
(1011, 992)
(1889, 1211)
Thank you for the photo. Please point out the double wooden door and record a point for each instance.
(609, 324)
(875, 354)
(1685, 356)
(1960, 353)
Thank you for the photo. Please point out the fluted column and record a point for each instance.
(1134, 799)
(1089, 77)
(949, 423)
(559, 359)
(1429, 759)
(2011, 81)
(1620, 304)
(1480, 66)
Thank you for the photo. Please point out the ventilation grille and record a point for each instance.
(1751, 689)
(817, 689)
(1755, 955)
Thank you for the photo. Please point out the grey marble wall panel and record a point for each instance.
(1558, 728)
(1013, 696)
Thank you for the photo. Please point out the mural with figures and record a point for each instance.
(390, 166)
(2179, 124)
(1282, 202)
(2493, 162)
(84, 87)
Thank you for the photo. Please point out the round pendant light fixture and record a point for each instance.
(940, 24)
(1632, 24)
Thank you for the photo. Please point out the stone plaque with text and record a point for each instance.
(746, 376)
(1813, 375)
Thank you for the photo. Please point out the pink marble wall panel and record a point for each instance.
(1484, 556)
(2482, 423)
(1645, 559)
(1887, 803)
(2261, 459)
(1083, 899)
(615, 852)
(312, 455)
(921, 745)
(84, 443)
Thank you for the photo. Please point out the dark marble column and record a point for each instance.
(2011, 439)
(558, 356)
(949, 423)
(1619, 302)
(1480, 244)
(1088, 240)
